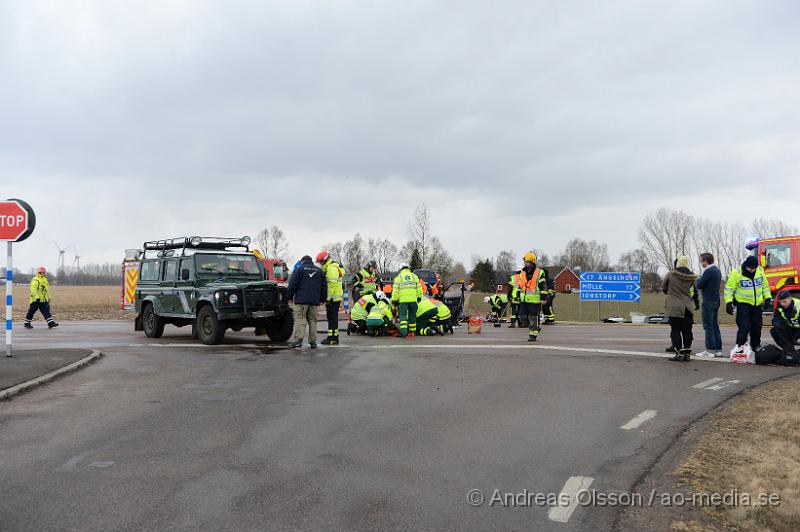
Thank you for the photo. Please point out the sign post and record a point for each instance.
(17, 221)
(610, 286)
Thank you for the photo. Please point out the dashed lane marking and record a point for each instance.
(639, 419)
(709, 382)
(573, 486)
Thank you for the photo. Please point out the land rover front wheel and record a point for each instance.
(209, 329)
(279, 328)
(152, 324)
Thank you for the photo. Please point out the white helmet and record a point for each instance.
(404, 265)
(487, 299)
(379, 295)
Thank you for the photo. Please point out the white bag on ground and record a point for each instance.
(743, 355)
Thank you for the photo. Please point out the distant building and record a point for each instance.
(566, 280)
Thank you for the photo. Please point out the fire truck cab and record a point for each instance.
(780, 258)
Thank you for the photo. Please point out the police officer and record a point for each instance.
(40, 299)
(406, 293)
(513, 298)
(366, 281)
(334, 275)
(532, 284)
(746, 290)
(786, 322)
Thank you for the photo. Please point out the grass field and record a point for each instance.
(102, 302)
(75, 303)
(752, 444)
(569, 308)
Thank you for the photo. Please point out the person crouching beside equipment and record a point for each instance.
(498, 304)
(678, 285)
(380, 321)
(361, 309)
(786, 322)
(746, 290)
(444, 317)
(40, 299)
(427, 317)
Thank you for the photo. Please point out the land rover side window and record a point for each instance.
(149, 271)
(171, 270)
(778, 255)
(227, 265)
(186, 265)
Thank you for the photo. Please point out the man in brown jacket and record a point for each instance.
(681, 299)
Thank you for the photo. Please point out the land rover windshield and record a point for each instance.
(225, 265)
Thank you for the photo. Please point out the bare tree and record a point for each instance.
(272, 242)
(459, 272)
(505, 261)
(353, 254)
(383, 252)
(665, 235)
(438, 258)
(766, 228)
(336, 250)
(585, 256)
(725, 240)
(419, 230)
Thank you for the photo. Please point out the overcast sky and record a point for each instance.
(521, 124)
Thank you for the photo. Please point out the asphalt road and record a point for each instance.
(380, 434)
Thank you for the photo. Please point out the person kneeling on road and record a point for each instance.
(531, 284)
(498, 304)
(444, 320)
(360, 311)
(380, 320)
(427, 317)
(307, 290)
(786, 322)
(40, 299)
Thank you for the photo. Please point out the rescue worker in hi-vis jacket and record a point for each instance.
(40, 299)
(746, 290)
(513, 298)
(532, 285)
(334, 275)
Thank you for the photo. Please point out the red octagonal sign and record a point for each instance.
(13, 220)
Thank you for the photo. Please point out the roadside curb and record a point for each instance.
(8, 393)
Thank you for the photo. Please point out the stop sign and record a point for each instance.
(17, 220)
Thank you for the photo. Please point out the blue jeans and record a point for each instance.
(710, 315)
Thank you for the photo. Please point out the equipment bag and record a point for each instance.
(788, 359)
(767, 354)
(744, 356)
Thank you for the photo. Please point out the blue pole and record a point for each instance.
(9, 284)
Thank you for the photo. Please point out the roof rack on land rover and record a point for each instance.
(197, 242)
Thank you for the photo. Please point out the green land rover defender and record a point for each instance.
(210, 283)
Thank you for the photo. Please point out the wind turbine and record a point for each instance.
(61, 252)
(76, 264)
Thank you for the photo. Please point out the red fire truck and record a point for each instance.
(780, 258)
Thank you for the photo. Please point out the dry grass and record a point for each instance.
(752, 444)
(75, 303)
(568, 309)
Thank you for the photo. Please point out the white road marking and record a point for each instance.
(413, 345)
(108, 463)
(722, 385)
(638, 420)
(709, 382)
(561, 514)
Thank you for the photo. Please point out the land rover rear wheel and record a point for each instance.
(153, 325)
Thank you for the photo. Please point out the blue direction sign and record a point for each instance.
(610, 286)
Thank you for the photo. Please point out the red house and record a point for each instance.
(567, 280)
